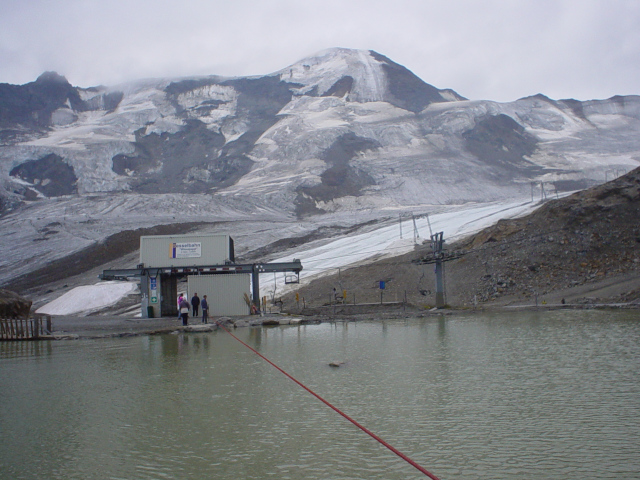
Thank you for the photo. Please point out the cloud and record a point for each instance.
(491, 50)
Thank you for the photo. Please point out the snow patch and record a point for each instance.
(88, 298)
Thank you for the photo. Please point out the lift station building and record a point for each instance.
(208, 263)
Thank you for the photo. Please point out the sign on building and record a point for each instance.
(153, 289)
(185, 250)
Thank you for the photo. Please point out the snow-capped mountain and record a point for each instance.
(342, 127)
(345, 132)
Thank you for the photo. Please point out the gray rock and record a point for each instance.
(13, 305)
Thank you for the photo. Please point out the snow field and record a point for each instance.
(349, 251)
(88, 298)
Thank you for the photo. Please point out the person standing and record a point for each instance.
(179, 301)
(195, 304)
(184, 311)
(205, 309)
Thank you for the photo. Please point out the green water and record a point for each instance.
(539, 395)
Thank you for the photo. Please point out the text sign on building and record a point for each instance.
(185, 250)
(153, 286)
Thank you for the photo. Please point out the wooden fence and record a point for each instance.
(25, 328)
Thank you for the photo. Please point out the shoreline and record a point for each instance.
(96, 327)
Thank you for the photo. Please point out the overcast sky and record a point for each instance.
(484, 49)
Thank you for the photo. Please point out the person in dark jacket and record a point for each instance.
(205, 309)
(195, 304)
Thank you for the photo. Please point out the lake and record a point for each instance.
(540, 395)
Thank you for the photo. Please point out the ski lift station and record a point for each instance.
(208, 263)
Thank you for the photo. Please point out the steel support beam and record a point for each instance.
(440, 302)
(255, 286)
(293, 266)
(437, 243)
(255, 269)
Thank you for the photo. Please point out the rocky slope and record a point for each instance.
(585, 239)
(583, 249)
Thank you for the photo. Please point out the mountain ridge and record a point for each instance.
(340, 138)
(222, 135)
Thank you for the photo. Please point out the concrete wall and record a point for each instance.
(225, 293)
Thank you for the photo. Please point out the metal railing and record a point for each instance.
(25, 328)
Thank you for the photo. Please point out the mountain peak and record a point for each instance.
(52, 77)
(363, 76)
(323, 70)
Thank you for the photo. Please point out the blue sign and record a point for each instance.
(381, 284)
(152, 283)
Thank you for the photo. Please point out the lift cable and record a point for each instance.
(361, 427)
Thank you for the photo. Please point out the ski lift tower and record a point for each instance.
(439, 256)
(437, 242)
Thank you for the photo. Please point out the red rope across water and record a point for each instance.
(361, 427)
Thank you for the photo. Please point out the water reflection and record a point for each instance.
(24, 349)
